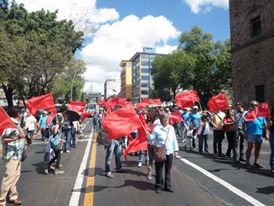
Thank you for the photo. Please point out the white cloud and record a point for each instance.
(198, 5)
(83, 12)
(113, 40)
(120, 40)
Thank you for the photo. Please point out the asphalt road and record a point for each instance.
(192, 187)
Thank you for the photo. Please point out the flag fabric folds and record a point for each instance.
(186, 99)
(218, 103)
(175, 117)
(251, 115)
(121, 122)
(5, 121)
(151, 101)
(139, 143)
(263, 110)
(45, 102)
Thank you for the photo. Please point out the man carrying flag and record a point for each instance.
(13, 145)
(254, 127)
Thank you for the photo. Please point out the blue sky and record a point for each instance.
(116, 29)
(215, 21)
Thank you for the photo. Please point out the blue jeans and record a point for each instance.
(67, 135)
(203, 142)
(142, 157)
(271, 143)
(114, 147)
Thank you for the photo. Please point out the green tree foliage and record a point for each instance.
(199, 63)
(35, 48)
(70, 82)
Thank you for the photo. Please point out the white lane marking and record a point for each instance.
(224, 183)
(75, 195)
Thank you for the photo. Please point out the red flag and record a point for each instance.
(49, 118)
(5, 121)
(86, 115)
(263, 110)
(186, 99)
(251, 115)
(121, 122)
(218, 103)
(141, 105)
(78, 103)
(175, 117)
(139, 143)
(151, 101)
(45, 102)
(77, 108)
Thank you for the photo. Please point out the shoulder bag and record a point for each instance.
(160, 152)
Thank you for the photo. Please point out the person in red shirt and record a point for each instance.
(230, 131)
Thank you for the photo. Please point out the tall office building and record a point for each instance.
(126, 79)
(142, 80)
(111, 88)
(252, 48)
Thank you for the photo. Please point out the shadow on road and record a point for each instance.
(138, 184)
(93, 172)
(266, 190)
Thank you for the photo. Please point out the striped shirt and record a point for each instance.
(14, 149)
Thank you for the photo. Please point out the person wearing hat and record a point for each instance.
(43, 125)
(195, 117)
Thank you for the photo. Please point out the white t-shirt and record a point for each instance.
(30, 123)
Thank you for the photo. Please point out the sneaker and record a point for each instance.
(58, 172)
(158, 190)
(221, 155)
(140, 164)
(17, 201)
(46, 171)
(242, 159)
(257, 165)
(149, 175)
(169, 189)
(177, 156)
(67, 151)
(109, 174)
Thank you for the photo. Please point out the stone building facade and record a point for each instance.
(252, 37)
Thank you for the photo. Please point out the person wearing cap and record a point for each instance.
(254, 130)
(195, 117)
(43, 125)
(185, 123)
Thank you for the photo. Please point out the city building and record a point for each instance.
(252, 39)
(126, 79)
(142, 67)
(111, 88)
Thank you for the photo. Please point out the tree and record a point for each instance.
(172, 72)
(212, 69)
(35, 48)
(198, 63)
(70, 82)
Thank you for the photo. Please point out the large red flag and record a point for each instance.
(151, 101)
(141, 105)
(77, 108)
(121, 122)
(218, 103)
(251, 115)
(186, 99)
(5, 121)
(45, 102)
(263, 110)
(175, 117)
(78, 103)
(139, 143)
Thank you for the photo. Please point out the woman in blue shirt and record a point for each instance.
(164, 135)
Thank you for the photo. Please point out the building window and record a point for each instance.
(145, 70)
(255, 26)
(260, 93)
(144, 92)
(145, 77)
(144, 85)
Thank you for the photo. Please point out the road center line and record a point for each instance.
(75, 195)
(89, 195)
(224, 183)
